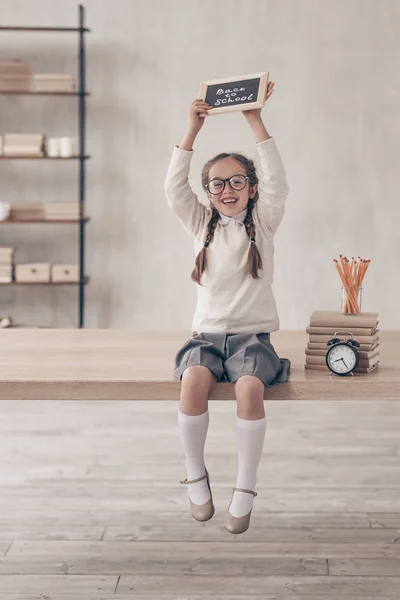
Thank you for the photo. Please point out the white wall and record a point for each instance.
(334, 114)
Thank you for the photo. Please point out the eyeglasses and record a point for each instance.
(237, 182)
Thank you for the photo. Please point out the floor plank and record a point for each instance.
(107, 551)
(50, 532)
(177, 565)
(304, 586)
(265, 534)
(54, 584)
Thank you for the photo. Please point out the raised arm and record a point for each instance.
(180, 196)
(273, 188)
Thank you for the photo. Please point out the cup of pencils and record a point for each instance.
(351, 274)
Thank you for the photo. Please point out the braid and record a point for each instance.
(201, 258)
(254, 259)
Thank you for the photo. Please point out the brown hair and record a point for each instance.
(254, 260)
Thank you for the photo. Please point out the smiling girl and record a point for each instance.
(236, 311)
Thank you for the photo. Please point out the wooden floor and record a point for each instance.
(91, 507)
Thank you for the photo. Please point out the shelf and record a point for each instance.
(85, 280)
(79, 92)
(60, 221)
(65, 29)
(27, 157)
(17, 93)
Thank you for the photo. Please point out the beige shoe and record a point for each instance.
(238, 524)
(202, 512)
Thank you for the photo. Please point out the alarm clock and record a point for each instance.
(342, 357)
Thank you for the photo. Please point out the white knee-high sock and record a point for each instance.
(193, 432)
(250, 437)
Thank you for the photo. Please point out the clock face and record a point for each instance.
(342, 359)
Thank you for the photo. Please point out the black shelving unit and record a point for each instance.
(81, 95)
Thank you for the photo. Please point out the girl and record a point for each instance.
(236, 310)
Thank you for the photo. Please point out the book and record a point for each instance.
(325, 368)
(14, 66)
(363, 362)
(362, 339)
(323, 346)
(361, 353)
(320, 318)
(354, 330)
(6, 254)
(26, 211)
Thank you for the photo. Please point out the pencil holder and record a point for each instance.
(351, 300)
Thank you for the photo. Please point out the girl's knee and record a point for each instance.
(198, 377)
(250, 397)
(196, 384)
(249, 385)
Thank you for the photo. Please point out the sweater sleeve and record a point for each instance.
(273, 188)
(180, 196)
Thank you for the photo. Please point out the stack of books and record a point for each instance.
(54, 83)
(324, 324)
(15, 76)
(61, 211)
(6, 265)
(23, 144)
(26, 212)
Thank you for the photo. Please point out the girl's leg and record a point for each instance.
(250, 434)
(193, 419)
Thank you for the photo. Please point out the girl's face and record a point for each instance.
(233, 198)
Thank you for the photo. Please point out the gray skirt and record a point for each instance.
(230, 356)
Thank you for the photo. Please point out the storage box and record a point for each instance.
(32, 272)
(65, 273)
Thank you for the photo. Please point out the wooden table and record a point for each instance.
(106, 364)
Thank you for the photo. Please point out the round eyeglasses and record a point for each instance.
(237, 182)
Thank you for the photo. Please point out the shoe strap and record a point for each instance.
(246, 491)
(185, 481)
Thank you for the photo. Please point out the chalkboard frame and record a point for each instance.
(261, 97)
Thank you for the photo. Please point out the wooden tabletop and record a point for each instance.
(107, 364)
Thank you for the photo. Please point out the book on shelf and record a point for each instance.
(5, 269)
(23, 151)
(6, 254)
(49, 82)
(16, 66)
(62, 210)
(21, 144)
(62, 217)
(26, 211)
(15, 76)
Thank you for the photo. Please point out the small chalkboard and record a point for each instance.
(245, 92)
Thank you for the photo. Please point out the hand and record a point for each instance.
(198, 113)
(256, 112)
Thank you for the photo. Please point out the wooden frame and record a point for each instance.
(258, 103)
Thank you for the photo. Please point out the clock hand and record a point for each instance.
(345, 364)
